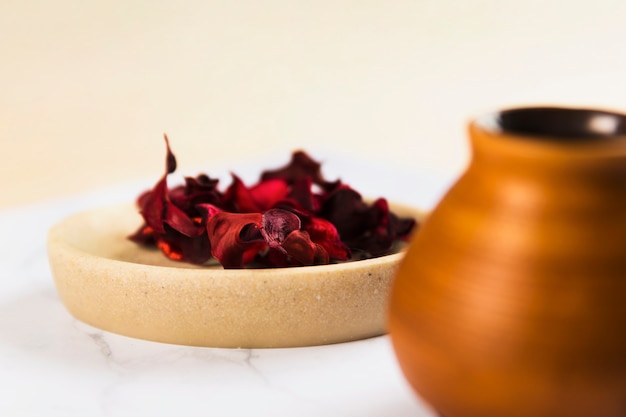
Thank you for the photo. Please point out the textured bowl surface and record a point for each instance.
(114, 284)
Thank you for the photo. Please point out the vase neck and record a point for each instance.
(552, 136)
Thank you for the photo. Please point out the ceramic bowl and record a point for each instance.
(111, 283)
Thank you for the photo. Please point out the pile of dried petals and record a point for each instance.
(279, 221)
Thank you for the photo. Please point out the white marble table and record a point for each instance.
(53, 365)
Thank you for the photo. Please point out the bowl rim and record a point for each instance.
(55, 236)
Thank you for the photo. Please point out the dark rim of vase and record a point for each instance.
(556, 123)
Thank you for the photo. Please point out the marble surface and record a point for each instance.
(53, 365)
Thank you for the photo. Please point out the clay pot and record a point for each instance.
(511, 300)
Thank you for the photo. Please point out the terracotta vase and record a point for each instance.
(511, 299)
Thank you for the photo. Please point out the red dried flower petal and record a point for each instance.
(276, 225)
(199, 190)
(174, 231)
(302, 193)
(181, 222)
(258, 198)
(179, 247)
(152, 206)
(301, 252)
(238, 198)
(238, 237)
(144, 235)
(208, 210)
(300, 167)
(225, 230)
(299, 247)
(281, 230)
(325, 234)
(266, 194)
(152, 203)
(170, 159)
(346, 209)
(370, 229)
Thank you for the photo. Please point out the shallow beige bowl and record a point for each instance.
(114, 284)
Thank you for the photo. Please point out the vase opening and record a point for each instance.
(554, 123)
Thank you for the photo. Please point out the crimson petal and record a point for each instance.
(300, 167)
(299, 247)
(238, 198)
(181, 222)
(325, 234)
(230, 235)
(199, 190)
(276, 225)
(370, 229)
(179, 247)
(266, 194)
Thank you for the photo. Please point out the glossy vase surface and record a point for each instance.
(511, 299)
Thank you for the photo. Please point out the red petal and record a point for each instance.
(299, 247)
(176, 246)
(199, 190)
(276, 225)
(258, 198)
(170, 159)
(144, 235)
(302, 193)
(346, 209)
(299, 251)
(225, 231)
(181, 222)
(267, 193)
(209, 210)
(152, 206)
(239, 199)
(371, 229)
(300, 167)
(281, 231)
(325, 234)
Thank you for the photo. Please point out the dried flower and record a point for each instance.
(279, 221)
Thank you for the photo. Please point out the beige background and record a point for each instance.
(87, 88)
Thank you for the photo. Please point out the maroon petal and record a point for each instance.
(266, 194)
(144, 235)
(281, 231)
(297, 250)
(152, 206)
(302, 193)
(371, 229)
(177, 246)
(299, 247)
(300, 167)
(276, 225)
(152, 203)
(325, 234)
(238, 198)
(181, 222)
(208, 210)
(198, 190)
(231, 240)
(170, 159)
(351, 216)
